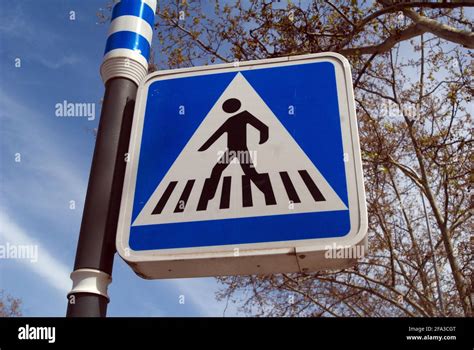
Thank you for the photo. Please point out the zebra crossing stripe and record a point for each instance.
(225, 196)
(315, 192)
(290, 189)
(246, 192)
(184, 197)
(164, 198)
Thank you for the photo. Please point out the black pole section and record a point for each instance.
(96, 246)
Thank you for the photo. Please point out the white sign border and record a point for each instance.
(356, 193)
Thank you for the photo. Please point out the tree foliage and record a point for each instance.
(9, 306)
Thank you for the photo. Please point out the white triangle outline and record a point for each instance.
(286, 155)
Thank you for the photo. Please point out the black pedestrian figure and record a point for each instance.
(236, 129)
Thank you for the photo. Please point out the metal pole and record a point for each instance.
(125, 65)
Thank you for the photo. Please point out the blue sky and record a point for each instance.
(60, 60)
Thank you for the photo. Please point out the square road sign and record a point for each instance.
(244, 168)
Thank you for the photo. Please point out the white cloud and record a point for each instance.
(44, 181)
(15, 24)
(54, 272)
(58, 62)
(47, 170)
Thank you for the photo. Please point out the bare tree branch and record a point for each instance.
(444, 31)
(406, 34)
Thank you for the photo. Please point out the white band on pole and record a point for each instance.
(90, 281)
(131, 24)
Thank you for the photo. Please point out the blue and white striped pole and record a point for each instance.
(124, 67)
(129, 40)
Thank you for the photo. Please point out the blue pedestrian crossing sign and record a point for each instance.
(244, 168)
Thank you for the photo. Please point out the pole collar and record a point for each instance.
(90, 281)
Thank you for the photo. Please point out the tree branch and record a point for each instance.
(406, 34)
(404, 5)
(462, 37)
